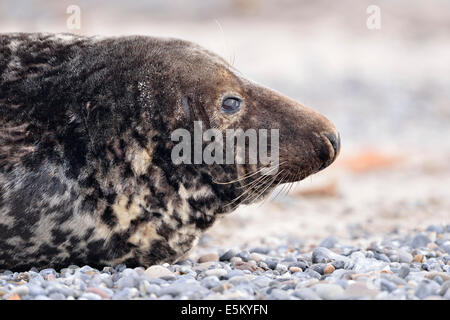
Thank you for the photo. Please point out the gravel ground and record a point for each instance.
(400, 266)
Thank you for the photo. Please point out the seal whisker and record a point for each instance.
(246, 176)
(282, 188)
(267, 187)
(247, 191)
(250, 195)
(254, 181)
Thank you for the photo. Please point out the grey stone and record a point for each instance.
(306, 294)
(420, 241)
(210, 282)
(329, 242)
(404, 256)
(328, 291)
(427, 288)
(126, 282)
(228, 255)
(324, 255)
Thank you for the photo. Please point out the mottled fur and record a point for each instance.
(86, 175)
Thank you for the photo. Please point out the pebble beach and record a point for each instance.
(413, 266)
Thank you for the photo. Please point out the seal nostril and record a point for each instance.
(335, 141)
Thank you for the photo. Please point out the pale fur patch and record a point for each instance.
(141, 161)
(144, 236)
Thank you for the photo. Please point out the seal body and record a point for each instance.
(86, 175)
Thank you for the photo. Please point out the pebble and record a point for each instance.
(216, 273)
(414, 266)
(228, 255)
(158, 272)
(306, 294)
(329, 242)
(404, 256)
(295, 269)
(360, 290)
(426, 288)
(208, 257)
(403, 272)
(328, 291)
(325, 255)
(420, 241)
(329, 269)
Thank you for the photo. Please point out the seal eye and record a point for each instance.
(231, 105)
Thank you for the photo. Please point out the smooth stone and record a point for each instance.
(325, 255)
(444, 287)
(228, 255)
(386, 285)
(404, 257)
(360, 290)
(306, 294)
(20, 290)
(319, 268)
(444, 275)
(438, 280)
(237, 280)
(447, 295)
(329, 269)
(272, 263)
(90, 296)
(427, 288)
(261, 250)
(152, 289)
(35, 290)
(244, 255)
(338, 264)
(329, 242)
(56, 296)
(281, 268)
(158, 272)
(247, 266)
(257, 257)
(446, 247)
(278, 294)
(420, 241)
(295, 269)
(216, 273)
(329, 291)
(201, 267)
(178, 289)
(299, 264)
(104, 293)
(125, 294)
(208, 257)
(126, 282)
(210, 282)
(261, 281)
(382, 257)
(312, 273)
(234, 273)
(436, 228)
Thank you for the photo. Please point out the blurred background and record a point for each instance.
(386, 89)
